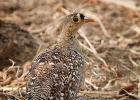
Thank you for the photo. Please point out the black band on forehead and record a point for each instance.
(82, 16)
(79, 15)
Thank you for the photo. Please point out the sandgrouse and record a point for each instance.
(56, 74)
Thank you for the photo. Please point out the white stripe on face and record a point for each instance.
(78, 15)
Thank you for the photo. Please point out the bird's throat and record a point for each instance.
(69, 40)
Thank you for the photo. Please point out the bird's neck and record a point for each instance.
(69, 40)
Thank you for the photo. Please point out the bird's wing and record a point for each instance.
(46, 78)
(40, 62)
(40, 79)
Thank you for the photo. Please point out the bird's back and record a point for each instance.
(55, 75)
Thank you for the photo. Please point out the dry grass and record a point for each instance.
(112, 44)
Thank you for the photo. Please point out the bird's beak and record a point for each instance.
(86, 20)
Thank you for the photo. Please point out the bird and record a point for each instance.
(15, 44)
(57, 72)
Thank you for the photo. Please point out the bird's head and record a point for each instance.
(73, 22)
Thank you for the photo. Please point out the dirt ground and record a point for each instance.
(112, 44)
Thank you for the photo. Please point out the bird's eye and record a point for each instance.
(76, 20)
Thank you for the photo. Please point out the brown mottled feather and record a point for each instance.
(55, 70)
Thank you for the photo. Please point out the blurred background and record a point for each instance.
(112, 44)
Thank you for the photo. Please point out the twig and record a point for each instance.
(109, 84)
(84, 46)
(5, 96)
(136, 28)
(13, 63)
(132, 61)
(131, 95)
(94, 86)
(8, 89)
(93, 50)
(7, 81)
(65, 11)
(103, 95)
(23, 75)
(17, 72)
(134, 52)
(100, 92)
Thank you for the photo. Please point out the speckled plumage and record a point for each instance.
(56, 74)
